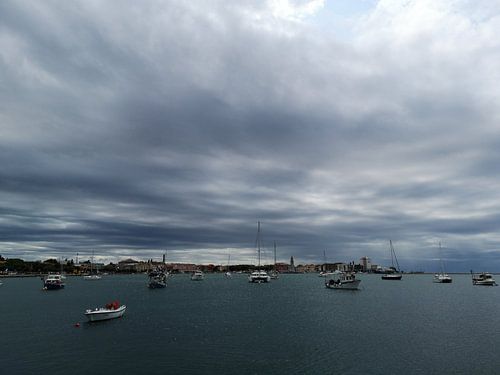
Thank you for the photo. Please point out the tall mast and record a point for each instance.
(441, 263)
(393, 256)
(258, 240)
(274, 253)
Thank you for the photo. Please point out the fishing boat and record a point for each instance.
(394, 273)
(53, 281)
(157, 279)
(259, 276)
(92, 275)
(110, 311)
(483, 278)
(343, 280)
(441, 277)
(197, 276)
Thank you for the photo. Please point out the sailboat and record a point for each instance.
(394, 273)
(325, 273)
(274, 273)
(228, 274)
(441, 277)
(92, 275)
(259, 276)
(158, 276)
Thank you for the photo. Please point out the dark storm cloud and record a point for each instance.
(130, 128)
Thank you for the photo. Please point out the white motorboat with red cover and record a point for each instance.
(110, 311)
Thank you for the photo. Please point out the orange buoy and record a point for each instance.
(77, 325)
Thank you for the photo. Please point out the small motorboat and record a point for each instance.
(484, 278)
(92, 277)
(110, 311)
(344, 280)
(197, 276)
(53, 282)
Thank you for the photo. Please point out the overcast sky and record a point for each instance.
(134, 127)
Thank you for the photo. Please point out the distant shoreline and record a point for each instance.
(24, 275)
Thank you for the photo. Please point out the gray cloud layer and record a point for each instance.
(127, 128)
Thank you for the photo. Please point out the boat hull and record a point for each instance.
(345, 285)
(443, 280)
(157, 285)
(92, 277)
(392, 277)
(259, 279)
(105, 314)
(53, 286)
(484, 282)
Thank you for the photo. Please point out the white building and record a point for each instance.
(366, 263)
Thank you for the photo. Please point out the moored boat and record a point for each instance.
(53, 281)
(325, 274)
(394, 272)
(274, 274)
(392, 276)
(259, 276)
(441, 277)
(483, 278)
(197, 276)
(110, 311)
(92, 276)
(157, 279)
(344, 280)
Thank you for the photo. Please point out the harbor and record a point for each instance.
(289, 326)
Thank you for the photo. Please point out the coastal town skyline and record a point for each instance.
(132, 128)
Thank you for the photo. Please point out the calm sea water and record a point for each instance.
(290, 326)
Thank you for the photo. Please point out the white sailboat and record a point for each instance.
(325, 273)
(259, 276)
(228, 273)
(441, 277)
(274, 273)
(92, 275)
(395, 273)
